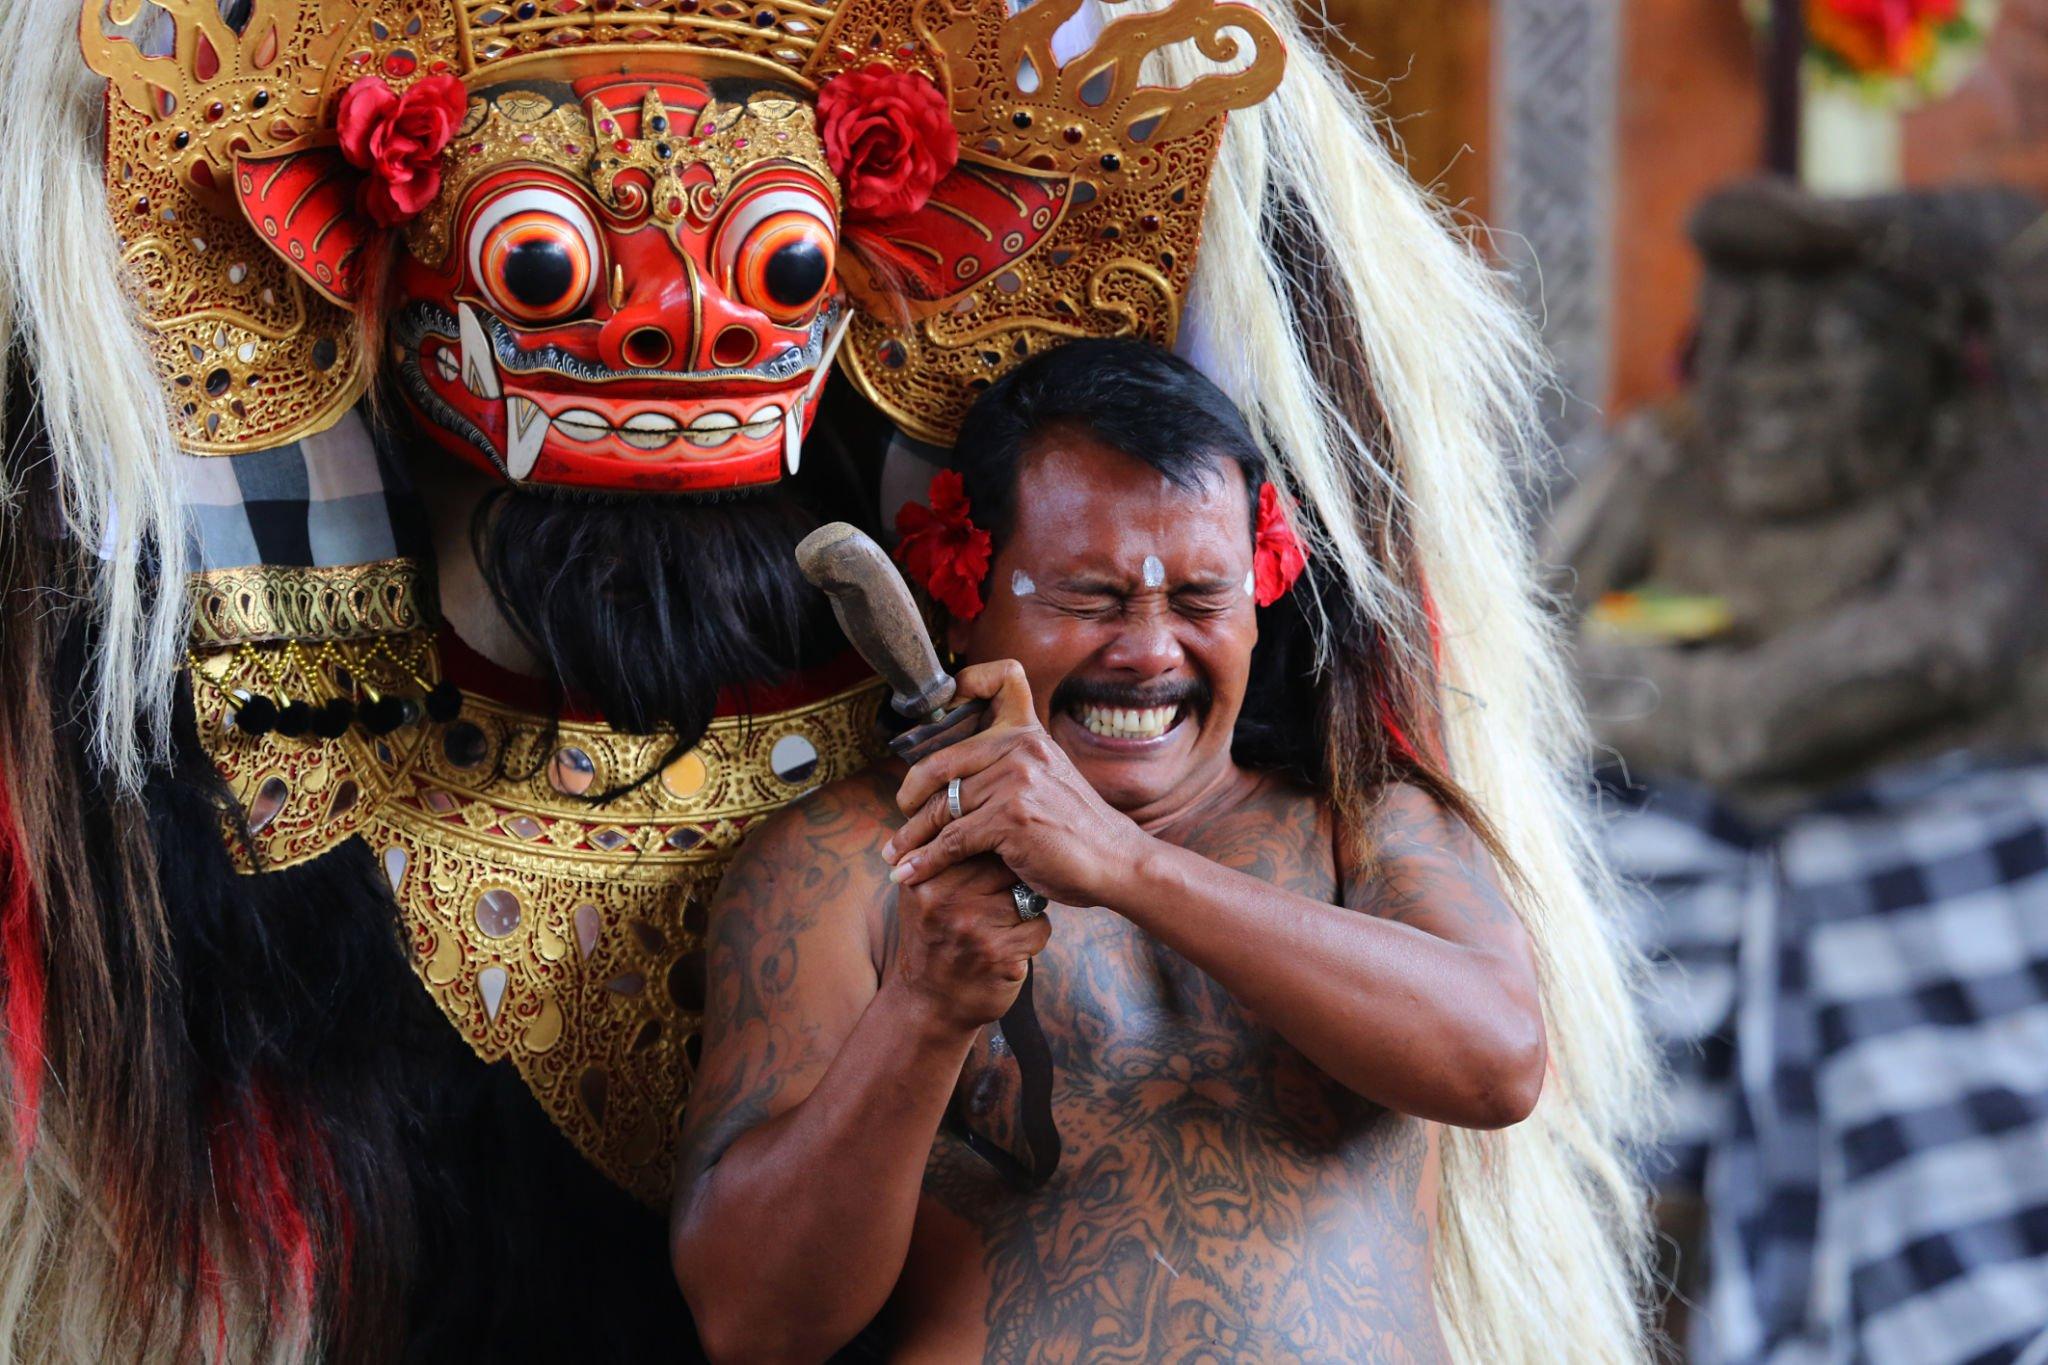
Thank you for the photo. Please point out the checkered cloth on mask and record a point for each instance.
(1854, 1004)
(321, 502)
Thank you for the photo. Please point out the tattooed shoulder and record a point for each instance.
(795, 905)
(1421, 865)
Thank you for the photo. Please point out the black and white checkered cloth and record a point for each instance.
(1854, 1004)
(324, 501)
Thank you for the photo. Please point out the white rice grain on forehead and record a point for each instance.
(1154, 572)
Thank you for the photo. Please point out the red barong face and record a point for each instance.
(626, 284)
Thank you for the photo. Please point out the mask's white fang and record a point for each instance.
(526, 426)
(793, 436)
(793, 418)
(479, 366)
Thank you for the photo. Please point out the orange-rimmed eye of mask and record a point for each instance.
(777, 252)
(535, 254)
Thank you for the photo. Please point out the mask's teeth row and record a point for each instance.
(653, 429)
(1120, 722)
(527, 425)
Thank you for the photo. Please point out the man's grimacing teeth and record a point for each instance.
(1126, 722)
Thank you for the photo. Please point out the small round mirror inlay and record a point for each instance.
(685, 777)
(464, 744)
(497, 912)
(571, 771)
(793, 758)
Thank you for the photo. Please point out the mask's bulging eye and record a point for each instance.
(535, 255)
(778, 251)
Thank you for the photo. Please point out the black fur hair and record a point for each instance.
(649, 607)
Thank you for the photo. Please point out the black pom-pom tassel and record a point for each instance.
(295, 719)
(332, 720)
(256, 716)
(444, 702)
(381, 716)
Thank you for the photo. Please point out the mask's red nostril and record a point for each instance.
(646, 347)
(735, 347)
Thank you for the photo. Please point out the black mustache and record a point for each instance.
(1133, 696)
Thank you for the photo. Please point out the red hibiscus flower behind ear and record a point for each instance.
(1278, 556)
(399, 139)
(889, 138)
(942, 547)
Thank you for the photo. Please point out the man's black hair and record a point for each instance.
(1130, 395)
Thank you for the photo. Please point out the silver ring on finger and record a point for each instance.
(953, 810)
(1030, 905)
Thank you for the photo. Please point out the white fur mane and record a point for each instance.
(67, 308)
(1543, 1242)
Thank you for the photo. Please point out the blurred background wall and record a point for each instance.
(1687, 108)
(1797, 292)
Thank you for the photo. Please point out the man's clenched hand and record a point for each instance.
(1021, 800)
(960, 949)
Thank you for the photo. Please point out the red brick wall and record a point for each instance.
(1995, 126)
(1689, 117)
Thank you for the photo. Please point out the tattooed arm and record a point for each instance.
(823, 1082)
(1418, 991)
(1426, 1002)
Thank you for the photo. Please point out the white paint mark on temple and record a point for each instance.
(1250, 586)
(1154, 572)
(1021, 584)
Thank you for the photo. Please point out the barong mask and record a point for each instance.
(614, 244)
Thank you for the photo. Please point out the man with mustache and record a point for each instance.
(1265, 976)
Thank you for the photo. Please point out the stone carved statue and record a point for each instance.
(1831, 552)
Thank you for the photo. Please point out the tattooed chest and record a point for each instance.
(1218, 1199)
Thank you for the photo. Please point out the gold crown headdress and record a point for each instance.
(1075, 209)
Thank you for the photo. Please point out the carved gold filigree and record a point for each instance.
(562, 936)
(249, 357)
(726, 139)
(1119, 263)
(511, 126)
(1121, 259)
(768, 34)
(282, 602)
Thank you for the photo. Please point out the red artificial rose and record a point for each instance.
(1278, 556)
(398, 139)
(942, 547)
(889, 138)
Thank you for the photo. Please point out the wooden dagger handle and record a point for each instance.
(875, 610)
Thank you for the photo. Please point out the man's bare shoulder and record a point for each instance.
(1275, 829)
(822, 846)
(1419, 863)
(842, 822)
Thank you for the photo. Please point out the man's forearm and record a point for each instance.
(1395, 1014)
(796, 1236)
